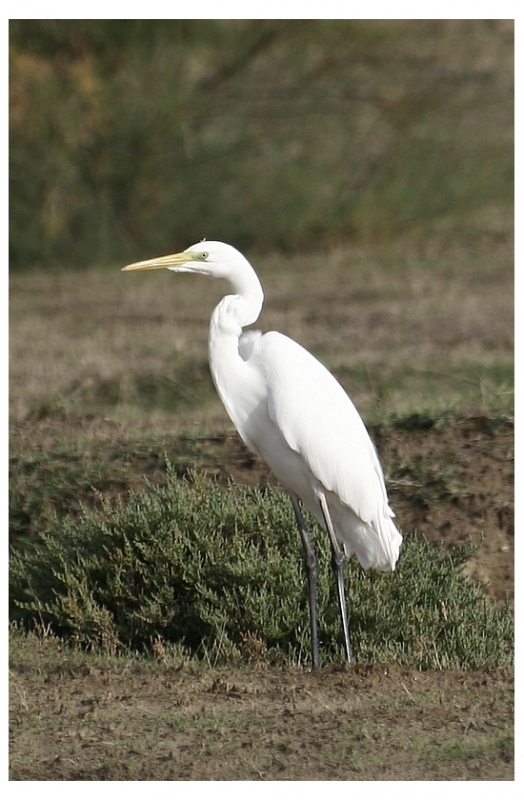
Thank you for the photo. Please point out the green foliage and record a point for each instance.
(220, 572)
(128, 136)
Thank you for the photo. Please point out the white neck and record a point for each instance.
(230, 372)
(245, 304)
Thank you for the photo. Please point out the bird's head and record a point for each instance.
(212, 259)
(217, 260)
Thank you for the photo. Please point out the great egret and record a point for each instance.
(291, 411)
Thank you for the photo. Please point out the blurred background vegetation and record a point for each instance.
(130, 138)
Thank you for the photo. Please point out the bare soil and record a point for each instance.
(367, 722)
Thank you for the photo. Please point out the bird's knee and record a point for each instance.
(311, 563)
(337, 560)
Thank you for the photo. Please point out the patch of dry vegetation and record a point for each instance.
(404, 331)
(96, 718)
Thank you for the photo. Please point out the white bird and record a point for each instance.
(292, 412)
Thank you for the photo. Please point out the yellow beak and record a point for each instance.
(163, 262)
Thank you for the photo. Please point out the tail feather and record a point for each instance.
(376, 545)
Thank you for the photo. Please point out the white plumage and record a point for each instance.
(291, 411)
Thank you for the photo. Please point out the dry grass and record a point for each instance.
(384, 320)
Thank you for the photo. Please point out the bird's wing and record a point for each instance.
(319, 421)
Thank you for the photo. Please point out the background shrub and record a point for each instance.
(135, 137)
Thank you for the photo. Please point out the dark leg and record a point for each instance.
(311, 566)
(337, 563)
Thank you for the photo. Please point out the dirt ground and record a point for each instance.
(368, 722)
(476, 500)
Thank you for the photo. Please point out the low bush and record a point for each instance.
(220, 572)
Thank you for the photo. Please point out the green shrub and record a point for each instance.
(221, 572)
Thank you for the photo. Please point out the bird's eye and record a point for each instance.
(203, 256)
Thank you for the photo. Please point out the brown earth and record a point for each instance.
(367, 722)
